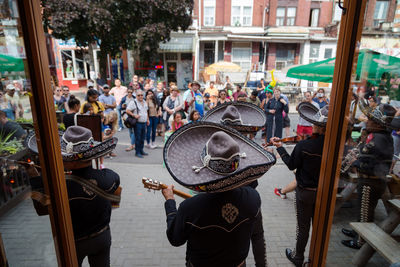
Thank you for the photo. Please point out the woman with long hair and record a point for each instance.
(154, 112)
(74, 105)
(222, 97)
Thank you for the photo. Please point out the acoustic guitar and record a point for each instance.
(151, 184)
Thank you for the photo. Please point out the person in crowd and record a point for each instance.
(373, 101)
(122, 107)
(242, 96)
(261, 86)
(154, 114)
(286, 119)
(173, 104)
(90, 212)
(10, 128)
(110, 127)
(207, 102)
(159, 93)
(194, 116)
(87, 109)
(218, 224)
(74, 106)
(108, 101)
(396, 143)
(15, 101)
(59, 99)
(238, 90)
(222, 97)
(166, 93)
(138, 108)
(119, 91)
(254, 99)
(274, 109)
(19, 89)
(373, 164)
(177, 122)
(320, 98)
(228, 85)
(146, 87)
(304, 127)
(194, 99)
(141, 82)
(92, 99)
(306, 160)
(135, 83)
(5, 105)
(66, 94)
(213, 92)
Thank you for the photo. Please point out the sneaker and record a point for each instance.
(351, 244)
(119, 129)
(152, 145)
(290, 255)
(139, 155)
(147, 145)
(278, 192)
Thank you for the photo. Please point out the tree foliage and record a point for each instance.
(117, 24)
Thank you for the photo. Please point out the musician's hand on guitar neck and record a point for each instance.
(168, 192)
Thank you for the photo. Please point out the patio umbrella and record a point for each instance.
(371, 65)
(9, 63)
(222, 66)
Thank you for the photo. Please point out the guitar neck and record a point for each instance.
(177, 192)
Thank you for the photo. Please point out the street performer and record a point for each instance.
(306, 160)
(217, 224)
(90, 212)
(373, 164)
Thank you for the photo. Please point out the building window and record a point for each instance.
(186, 56)
(284, 56)
(74, 64)
(381, 11)
(285, 16)
(280, 16)
(241, 15)
(209, 53)
(314, 16)
(241, 55)
(209, 12)
(328, 53)
(67, 64)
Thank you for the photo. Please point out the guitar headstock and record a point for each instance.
(152, 184)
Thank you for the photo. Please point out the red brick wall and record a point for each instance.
(220, 8)
(228, 51)
(369, 16)
(303, 13)
(325, 14)
(255, 49)
(258, 9)
(271, 57)
(227, 11)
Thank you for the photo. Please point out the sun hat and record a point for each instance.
(210, 157)
(196, 82)
(313, 114)
(242, 116)
(77, 144)
(10, 87)
(383, 114)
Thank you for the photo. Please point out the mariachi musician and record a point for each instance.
(306, 160)
(373, 163)
(218, 224)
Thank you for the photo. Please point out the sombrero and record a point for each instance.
(384, 114)
(242, 116)
(313, 114)
(210, 157)
(77, 144)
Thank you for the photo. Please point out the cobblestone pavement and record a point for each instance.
(138, 226)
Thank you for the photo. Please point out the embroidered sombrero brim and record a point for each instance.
(253, 117)
(375, 115)
(312, 114)
(99, 149)
(183, 151)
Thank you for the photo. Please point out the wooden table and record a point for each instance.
(378, 238)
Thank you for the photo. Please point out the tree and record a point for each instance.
(117, 24)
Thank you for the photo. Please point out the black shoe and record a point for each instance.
(144, 153)
(139, 155)
(349, 233)
(351, 244)
(289, 255)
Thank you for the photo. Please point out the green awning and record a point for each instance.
(10, 64)
(177, 45)
(371, 66)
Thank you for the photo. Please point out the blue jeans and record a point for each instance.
(120, 123)
(140, 134)
(132, 135)
(152, 129)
